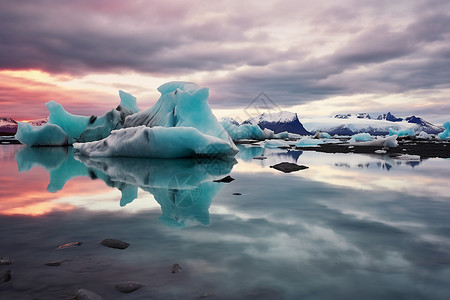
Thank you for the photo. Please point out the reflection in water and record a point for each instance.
(183, 187)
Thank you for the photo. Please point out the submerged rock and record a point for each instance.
(55, 263)
(116, 244)
(83, 294)
(176, 268)
(287, 167)
(71, 244)
(128, 286)
(5, 276)
(226, 179)
(5, 261)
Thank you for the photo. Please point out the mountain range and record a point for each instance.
(8, 126)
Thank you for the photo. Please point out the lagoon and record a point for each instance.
(351, 226)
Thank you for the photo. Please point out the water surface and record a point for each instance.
(349, 227)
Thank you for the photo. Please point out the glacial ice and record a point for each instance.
(180, 124)
(251, 131)
(403, 132)
(157, 142)
(390, 141)
(360, 137)
(75, 128)
(309, 142)
(445, 135)
(46, 135)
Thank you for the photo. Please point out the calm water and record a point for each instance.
(349, 227)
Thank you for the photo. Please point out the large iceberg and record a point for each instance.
(251, 131)
(64, 128)
(180, 124)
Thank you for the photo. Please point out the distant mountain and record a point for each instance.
(230, 120)
(279, 122)
(8, 126)
(349, 124)
(389, 117)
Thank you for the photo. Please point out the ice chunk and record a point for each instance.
(390, 141)
(276, 144)
(445, 135)
(129, 102)
(46, 135)
(424, 135)
(408, 157)
(404, 132)
(72, 125)
(322, 135)
(157, 142)
(361, 137)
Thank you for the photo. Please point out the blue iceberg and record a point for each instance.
(445, 135)
(64, 128)
(180, 124)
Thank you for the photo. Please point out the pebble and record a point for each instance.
(176, 268)
(5, 261)
(83, 294)
(128, 286)
(237, 194)
(71, 244)
(5, 276)
(260, 157)
(116, 244)
(55, 263)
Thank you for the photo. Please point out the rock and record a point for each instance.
(287, 167)
(176, 268)
(237, 194)
(83, 294)
(5, 261)
(71, 244)
(55, 263)
(116, 244)
(260, 157)
(226, 179)
(128, 286)
(5, 276)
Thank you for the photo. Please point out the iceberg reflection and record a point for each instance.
(184, 188)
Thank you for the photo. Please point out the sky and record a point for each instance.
(315, 58)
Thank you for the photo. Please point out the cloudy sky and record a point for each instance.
(316, 58)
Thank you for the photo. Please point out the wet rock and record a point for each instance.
(5, 261)
(237, 194)
(83, 294)
(128, 286)
(55, 263)
(226, 179)
(287, 167)
(260, 157)
(71, 244)
(5, 276)
(176, 268)
(116, 244)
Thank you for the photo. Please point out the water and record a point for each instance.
(349, 227)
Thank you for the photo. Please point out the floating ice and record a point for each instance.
(446, 134)
(322, 135)
(46, 135)
(408, 157)
(251, 131)
(157, 142)
(180, 124)
(361, 137)
(424, 135)
(390, 141)
(404, 132)
(309, 142)
(74, 127)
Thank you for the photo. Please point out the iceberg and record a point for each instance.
(251, 131)
(390, 142)
(180, 124)
(404, 132)
(64, 128)
(360, 137)
(445, 135)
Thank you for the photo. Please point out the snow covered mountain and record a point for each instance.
(349, 124)
(7, 126)
(279, 122)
